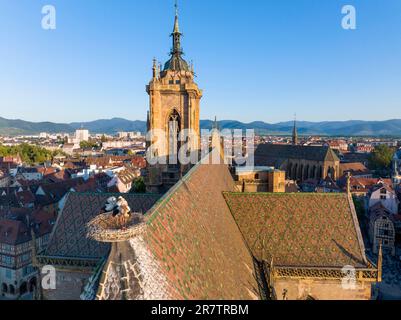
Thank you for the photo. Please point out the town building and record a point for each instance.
(259, 179)
(384, 194)
(20, 230)
(81, 135)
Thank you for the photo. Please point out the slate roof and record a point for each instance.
(269, 154)
(299, 229)
(68, 239)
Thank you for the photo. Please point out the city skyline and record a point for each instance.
(272, 59)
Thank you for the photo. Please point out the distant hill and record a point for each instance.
(112, 126)
(15, 127)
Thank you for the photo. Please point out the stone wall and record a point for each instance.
(320, 289)
(69, 285)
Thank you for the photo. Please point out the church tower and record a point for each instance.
(174, 100)
(295, 133)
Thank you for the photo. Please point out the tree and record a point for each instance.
(138, 186)
(88, 144)
(381, 157)
(29, 154)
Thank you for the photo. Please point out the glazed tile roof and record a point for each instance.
(68, 239)
(194, 239)
(299, 229)
(191, 247)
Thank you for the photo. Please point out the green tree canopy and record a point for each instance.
(381, 157)
(29, 154)
(88, 144)
(138, 186)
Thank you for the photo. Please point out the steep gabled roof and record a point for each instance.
(299, 229)
(192, 233)
(267, 154)
(191, 247)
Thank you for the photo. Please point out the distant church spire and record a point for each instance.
(294, 132)
(215, 124)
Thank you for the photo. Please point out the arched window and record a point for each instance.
(306, 173)
(331, 172)
(32, 284)
(4, 288)
(11, 289)
(314, 172)
(295, 172)
(301, 172)
(23, 288)
(289, 171)
(174, 127)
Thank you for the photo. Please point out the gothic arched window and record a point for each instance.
(174, 127)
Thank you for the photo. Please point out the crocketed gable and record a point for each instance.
(299, 229)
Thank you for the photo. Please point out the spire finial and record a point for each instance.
(176, 26)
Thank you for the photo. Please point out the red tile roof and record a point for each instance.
(14, 229)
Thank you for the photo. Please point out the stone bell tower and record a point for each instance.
(174, 100)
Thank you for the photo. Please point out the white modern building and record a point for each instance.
(81, 135)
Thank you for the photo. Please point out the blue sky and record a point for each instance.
(255, 59)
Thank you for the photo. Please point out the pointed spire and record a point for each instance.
(176, 34)
(176, 62)
(154, 68)
(215, 124)
(294, 132)
(176, 25)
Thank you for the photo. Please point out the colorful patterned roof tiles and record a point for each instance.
(299, 229)
(68, 239)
